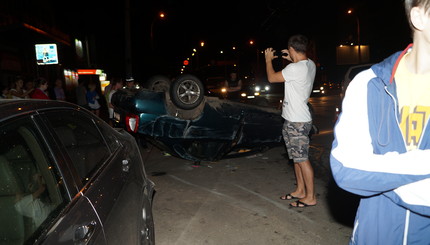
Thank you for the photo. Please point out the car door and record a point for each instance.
(109, 173)
(37, 204)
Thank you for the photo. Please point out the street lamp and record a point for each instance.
(160, 16)
(350, 11)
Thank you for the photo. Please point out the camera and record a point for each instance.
(279, 53)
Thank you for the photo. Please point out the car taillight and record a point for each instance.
(132, 123)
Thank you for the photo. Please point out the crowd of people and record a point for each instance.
(33, 89)
(87, 94)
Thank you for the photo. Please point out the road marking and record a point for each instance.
(233, 201)
(197, 186)
(243, 203)
(278, 205)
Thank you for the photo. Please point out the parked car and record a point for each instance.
(350, 73)
(67, 177)
(186, 123)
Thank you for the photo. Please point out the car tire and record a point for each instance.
(158, 83)
(187, 92)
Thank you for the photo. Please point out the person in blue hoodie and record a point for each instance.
(381, 149)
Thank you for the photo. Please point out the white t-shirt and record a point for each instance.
(299, 79)
(110, 109)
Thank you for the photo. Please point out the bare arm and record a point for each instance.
(16, 93)
(272, 76)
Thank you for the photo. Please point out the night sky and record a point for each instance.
(222, 24)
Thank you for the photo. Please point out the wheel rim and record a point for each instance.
(188, 92)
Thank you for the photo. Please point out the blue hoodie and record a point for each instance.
(369, 158)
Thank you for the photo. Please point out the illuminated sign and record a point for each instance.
(46, 54)
(90, 71)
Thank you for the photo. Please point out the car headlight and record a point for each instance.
(223, 90)
(257, 88)
(267, 87)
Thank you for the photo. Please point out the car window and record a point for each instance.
(31, 189)
(81, 139)
(110, 137)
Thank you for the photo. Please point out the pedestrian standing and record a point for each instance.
(17, 89)
(81, 93)
(59, 90)
(381, 149)
(40, 90)
(233, 84)
(116, 84)
(93, 98)
(130, 83)
(298, 78)
(29, 86)
(107, 90)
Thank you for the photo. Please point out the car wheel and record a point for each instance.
(186, 92)
(158, 83)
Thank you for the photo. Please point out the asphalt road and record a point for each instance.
(236, 200)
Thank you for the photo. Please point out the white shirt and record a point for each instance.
(110, 109)
(299, 79)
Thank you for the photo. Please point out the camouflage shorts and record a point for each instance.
(296, 137)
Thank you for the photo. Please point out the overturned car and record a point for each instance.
(180, 119)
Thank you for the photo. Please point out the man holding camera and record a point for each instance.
(298, 77)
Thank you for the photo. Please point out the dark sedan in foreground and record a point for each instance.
(182, 121)
(66, 177)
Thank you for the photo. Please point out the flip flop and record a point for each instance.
(300, 204)
(288, 197)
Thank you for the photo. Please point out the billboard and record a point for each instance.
(46, 54)
(348, 54)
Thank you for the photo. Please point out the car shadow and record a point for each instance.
(342, 204)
